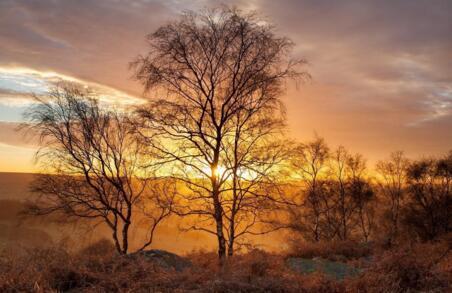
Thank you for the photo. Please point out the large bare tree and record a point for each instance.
(91, 162)
(218, 69)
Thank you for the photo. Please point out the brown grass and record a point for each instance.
(424, 267)
(334, 250)
(420, 268)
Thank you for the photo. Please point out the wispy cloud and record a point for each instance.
(18, 84)
(439, 106)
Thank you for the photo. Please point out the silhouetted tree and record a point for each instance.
(336, 198)
(91, 159)
(429, 204)
(339, 172)
(215, 68)
(309, 162)
(253, 156)
(392, 185)
(362, 194)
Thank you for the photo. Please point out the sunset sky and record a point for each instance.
(381, 70)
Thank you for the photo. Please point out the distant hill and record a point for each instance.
(41, 231)
(15, 230)
(15, 185)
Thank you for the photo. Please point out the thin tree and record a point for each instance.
(253, 156)
(362, 195)
(339, 172)
(351, 195)
(211, 66)
(309, 162)
(336, 195)
(393, 178)
(91, 164)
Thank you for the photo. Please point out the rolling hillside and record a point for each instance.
(17, 230)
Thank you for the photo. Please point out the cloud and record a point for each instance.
(18, 85)
(382, 70)
(89, 40)
(9, 135)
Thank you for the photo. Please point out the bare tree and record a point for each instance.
(352, 196)
(392, 185)
(309, 162)
(214, 67)
(91, 162)
(336, 196)
(362, 195)
(253, 157)
(339, 172)
(428, 208)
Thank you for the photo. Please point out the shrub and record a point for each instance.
(408, 269)
(100, 248)
(335, 250)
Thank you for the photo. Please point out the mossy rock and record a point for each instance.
(333, 269)
(163, 259)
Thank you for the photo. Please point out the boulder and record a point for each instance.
(333, 269)
(163, 259)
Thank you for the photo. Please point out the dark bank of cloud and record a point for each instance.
(91, 40)
(382, 71)
(387, 52)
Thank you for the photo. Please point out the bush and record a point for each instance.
(335, 250)
(100, 248)
(420, 268)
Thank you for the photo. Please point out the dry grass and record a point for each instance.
(334, 250)
(423, 267)
(420, 268)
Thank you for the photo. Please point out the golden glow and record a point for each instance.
(16, 159)
(218, 171)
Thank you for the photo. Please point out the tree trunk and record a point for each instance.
(219, 220)
(220, 235)
(231, 237)
(115, 239)
(125, 237)
(233, 209)
(125, 228)
(231, 248)
(344, 216)
(114, 227)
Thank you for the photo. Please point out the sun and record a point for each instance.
(218, 171)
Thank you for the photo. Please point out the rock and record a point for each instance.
(338, 258)
(334, 269)
(164, 259)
